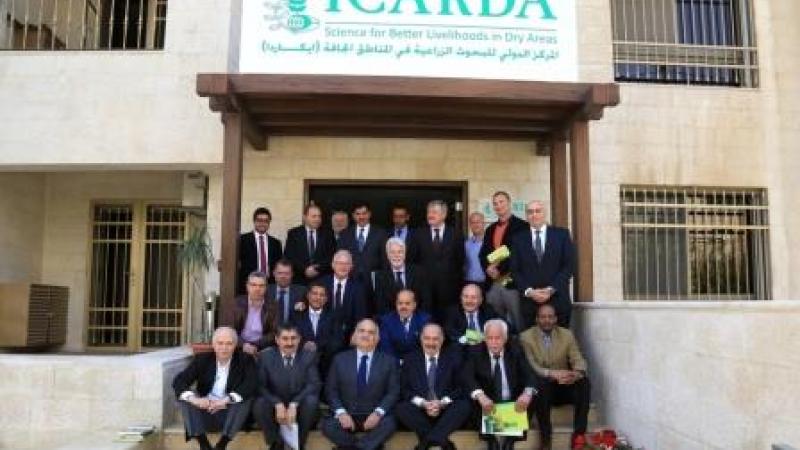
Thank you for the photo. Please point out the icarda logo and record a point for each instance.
(289, 15)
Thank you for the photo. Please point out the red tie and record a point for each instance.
(262, 254)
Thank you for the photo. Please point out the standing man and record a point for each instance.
(400, 218)
(365, 242)
(473, 270)
(502, 293)
(283, 292)
(310, 247)
(224, 383)
(439, 249)
(542, 263)
(339, 223)
(362, 388)
(346, 293)
(433, 404)
(289, 388)
(258, 251)
(554, 354)
(255, 319)
(397, 277)
(317, 327)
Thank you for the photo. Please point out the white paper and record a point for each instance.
(291, 435)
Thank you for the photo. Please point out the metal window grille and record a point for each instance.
(695, 243)
(82, 24)
(704, 42)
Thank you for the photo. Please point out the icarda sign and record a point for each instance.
(493, 39)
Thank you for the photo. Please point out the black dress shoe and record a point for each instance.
(547, 443)
(203, 441)
(508, 444)
(223, 443)
(491, 444)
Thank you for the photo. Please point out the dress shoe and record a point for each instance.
(547, 443)
(449, 445)
(491, 444)
(508, 444)
(223, 443)
(203, 441)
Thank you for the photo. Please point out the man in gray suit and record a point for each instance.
(289, 388)
(285, 294)
(362, 389)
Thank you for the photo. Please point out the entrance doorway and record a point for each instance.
(332, 195)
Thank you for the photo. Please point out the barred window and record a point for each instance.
(705, 42)
(82, 24)
(695, 243)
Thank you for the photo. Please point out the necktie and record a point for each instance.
(398, 232)
(262, 254)
(497, 377)
(337, 297)
(312, 246)
(284, 304)
(361, 240)
(437, 238)
(537, 246)
(432, 379)
(472, 324)
(398, 280)
(547, 340)
(314, 321)
(361, 377)
(287, 362)
(406, 327)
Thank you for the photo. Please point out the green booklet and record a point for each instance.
(505, 421)
(473, 337)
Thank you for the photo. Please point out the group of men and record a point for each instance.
(391, 327)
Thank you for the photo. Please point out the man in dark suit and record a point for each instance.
(471, 314)
(400, 228)
(310, 247)
(289, 388)
(542, 263)
(499, 373)
(255, 318)
(347, 296)
(439, 249)
(224, 383)
(433, 404)
(317, 327)
(397, 277)
(502, 292)
(339, 223)
(365, 241)
(401, 328)
(362, 388)
(258, 251)
(283, 293)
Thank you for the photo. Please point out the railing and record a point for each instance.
(82, 24)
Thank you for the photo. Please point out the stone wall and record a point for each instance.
(21, 226)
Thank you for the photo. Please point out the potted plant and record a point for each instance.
(197, 257)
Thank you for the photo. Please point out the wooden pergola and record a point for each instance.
(549, 115)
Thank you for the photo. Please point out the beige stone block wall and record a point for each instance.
(696, 375)
(21, 226)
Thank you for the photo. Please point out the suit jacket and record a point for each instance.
(280, 384)
(202, 370)
(372, 257)
(448, 375)
(563, 353)
(269, 321)
(383, 384)
(477, 372)
(297, 293)
(297, 252)
(329, 338)
(248, 257)
(444, 265)
(394, 339)
(353, 306)
(386, 289)
(555, 269)
(455, 324)
(515, 224)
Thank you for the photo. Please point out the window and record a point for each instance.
(702, 42)
(694, 243)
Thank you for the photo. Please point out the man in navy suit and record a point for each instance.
(362, 388)
(397, 277)
(310, 247)
(258, 251)
(439, 249)
(283, 292)
(317, 328)
(542, 263)
(401, 328)
(471, 314)
(365, 241)
(400, 218)
(346, 293)
(432, 401)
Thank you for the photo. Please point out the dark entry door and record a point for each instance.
(382, 195)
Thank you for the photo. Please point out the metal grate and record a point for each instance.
(705, 42)
(695, 243)
(82, 24)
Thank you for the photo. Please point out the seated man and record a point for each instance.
(400, 329)
(362, 389)
(497, 372)
(255, 318)
(225, 382)
(317, 328)
(400, 275)
(433, 404)
(554, 354)
(471, 314)
(289, 386)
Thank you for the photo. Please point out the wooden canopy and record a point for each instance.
(255, 106)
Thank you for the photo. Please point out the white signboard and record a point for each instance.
(491, 39)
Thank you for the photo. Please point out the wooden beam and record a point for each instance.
(559, 198)
(421, 122)
(330, 130)
(580, 177)
(231, 212)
